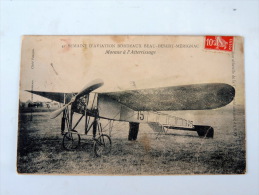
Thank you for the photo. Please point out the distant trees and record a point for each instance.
(38, 104)
(35, 104)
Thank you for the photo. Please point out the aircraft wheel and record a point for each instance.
(71, 140)
(102, 145)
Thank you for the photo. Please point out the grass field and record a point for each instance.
(180, 152)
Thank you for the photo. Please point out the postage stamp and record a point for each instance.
(221, 43)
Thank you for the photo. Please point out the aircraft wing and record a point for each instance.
(56, 96)
(186, 97)
(143, 106)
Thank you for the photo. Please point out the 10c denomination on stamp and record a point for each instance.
(222, 43)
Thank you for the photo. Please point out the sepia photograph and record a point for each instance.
(131, 105)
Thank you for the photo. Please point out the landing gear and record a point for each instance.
(71, 140)
(102, 145)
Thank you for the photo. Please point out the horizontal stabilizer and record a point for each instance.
(158, 128)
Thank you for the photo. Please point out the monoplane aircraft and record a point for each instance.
(135, 107)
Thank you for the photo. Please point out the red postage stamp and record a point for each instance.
(222, 43)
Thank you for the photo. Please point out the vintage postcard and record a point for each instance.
(131, 105)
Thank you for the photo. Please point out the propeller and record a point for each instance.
(86, 90)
